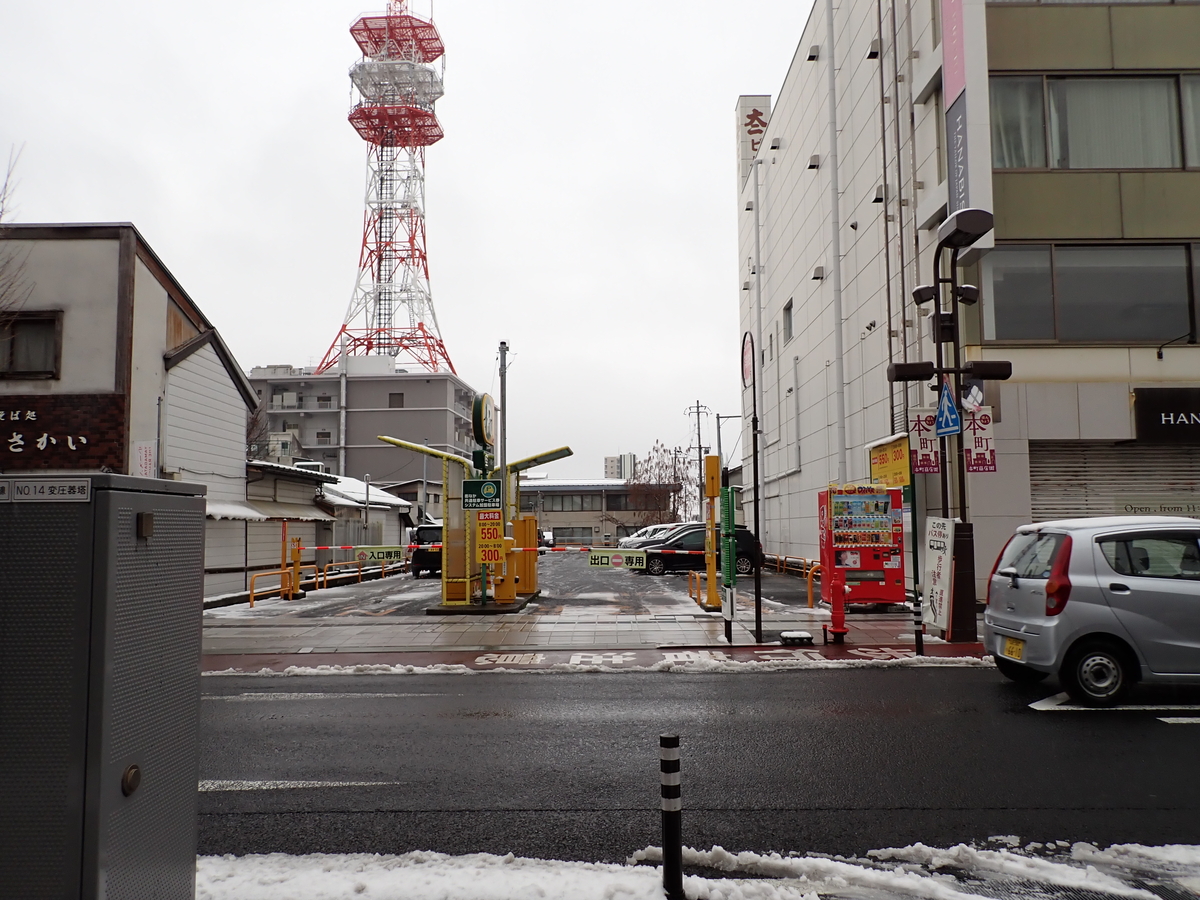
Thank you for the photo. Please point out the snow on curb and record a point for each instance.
(688, 668)
(437, 876)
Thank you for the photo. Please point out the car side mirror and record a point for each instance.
(1009, 572)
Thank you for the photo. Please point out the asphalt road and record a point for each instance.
(565, 766)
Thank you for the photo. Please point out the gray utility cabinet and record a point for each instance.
(101, 596)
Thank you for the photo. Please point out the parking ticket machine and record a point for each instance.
(861, 530)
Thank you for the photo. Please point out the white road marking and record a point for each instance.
(210, 785)
(1180, 720)
(283, 695)
(1062, 703)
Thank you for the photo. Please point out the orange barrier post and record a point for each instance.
(812, 570)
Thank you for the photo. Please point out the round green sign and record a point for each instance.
(483, 420)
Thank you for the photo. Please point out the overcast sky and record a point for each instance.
(582, 205)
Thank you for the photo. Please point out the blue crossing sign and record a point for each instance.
(947, 421)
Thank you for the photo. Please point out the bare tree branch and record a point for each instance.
(15, 288)
(659, 490)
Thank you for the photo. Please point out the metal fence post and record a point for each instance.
(672, 825)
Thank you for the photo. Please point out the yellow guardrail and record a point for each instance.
(813, 570)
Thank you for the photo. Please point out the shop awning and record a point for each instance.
(300, 512)
(232, 509)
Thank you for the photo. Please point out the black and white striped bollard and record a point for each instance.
(672, 825)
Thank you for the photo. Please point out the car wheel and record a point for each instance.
(1096, 674)
(744, 565)
(1021, 674)
(656, 566)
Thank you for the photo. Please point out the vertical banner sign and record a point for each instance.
(728, 540)
(938, 572)
(489, 536)
(954, 85)
(979, 445)
(753, 114)
(924, 450)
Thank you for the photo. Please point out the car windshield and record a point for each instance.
(1030, 553)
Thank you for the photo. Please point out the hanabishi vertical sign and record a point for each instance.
(966, 105)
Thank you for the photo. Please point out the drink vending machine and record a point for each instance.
(861, 531)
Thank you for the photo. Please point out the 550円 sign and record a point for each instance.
(489, 536)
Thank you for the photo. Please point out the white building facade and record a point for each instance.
(1077, 126)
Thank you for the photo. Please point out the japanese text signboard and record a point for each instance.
(481, 494)
(753, 116)
(890, 462)
(62, 431)
(489, 536)
(924, 448)
(979, 444)
(617, 559)
(379, 554)
(938, 575)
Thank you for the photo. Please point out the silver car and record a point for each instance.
(1101, 602)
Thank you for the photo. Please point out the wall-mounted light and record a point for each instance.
(745, 285)
(814, 52)
(814, 161)
(873, 50)
(878, 194)
(819, 273)
(749, 205)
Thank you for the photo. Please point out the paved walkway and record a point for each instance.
(375, 623)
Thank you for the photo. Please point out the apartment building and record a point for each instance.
(1078, 126)
(334, 419)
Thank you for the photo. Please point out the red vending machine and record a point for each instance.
(862, 542)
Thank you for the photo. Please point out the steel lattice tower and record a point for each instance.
(397, 83)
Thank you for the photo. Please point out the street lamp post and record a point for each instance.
(959, 231)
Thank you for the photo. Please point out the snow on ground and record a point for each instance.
(693, 667)
(918, 871)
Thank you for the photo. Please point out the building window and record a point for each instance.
(395, 401)
(324, 402)
(528, 502)
(1018, 123)
(787, 321)
(1097, 294)
(29, 346)
(1101, 122)
(324, 437)
(582, 535)
(1114, 123)
(571, 502)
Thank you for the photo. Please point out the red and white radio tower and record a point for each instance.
(391, 312)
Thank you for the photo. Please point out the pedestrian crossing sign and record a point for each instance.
(948, 421)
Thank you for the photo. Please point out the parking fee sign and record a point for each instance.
(489, 536)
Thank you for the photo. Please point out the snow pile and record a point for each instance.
(436, 876)
(1012, 865)
(691, 667)
(908, 872)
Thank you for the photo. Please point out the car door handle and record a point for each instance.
(1118, 588)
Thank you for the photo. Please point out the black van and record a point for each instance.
(424, 558)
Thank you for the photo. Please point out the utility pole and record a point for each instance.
(697, 411)
(504, 433)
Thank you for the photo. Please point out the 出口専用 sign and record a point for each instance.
(617, 559)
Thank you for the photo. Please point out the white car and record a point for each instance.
(648, 532)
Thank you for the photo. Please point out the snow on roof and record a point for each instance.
(354, 491)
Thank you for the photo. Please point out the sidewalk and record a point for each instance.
(583, 636)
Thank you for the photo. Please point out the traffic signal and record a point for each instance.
(911, 371)
(989, 369)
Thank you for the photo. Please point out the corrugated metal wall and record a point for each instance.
(1090, 478)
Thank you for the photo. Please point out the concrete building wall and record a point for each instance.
(1061, 390)
(79, 277)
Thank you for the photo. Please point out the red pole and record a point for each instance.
(837, 605)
